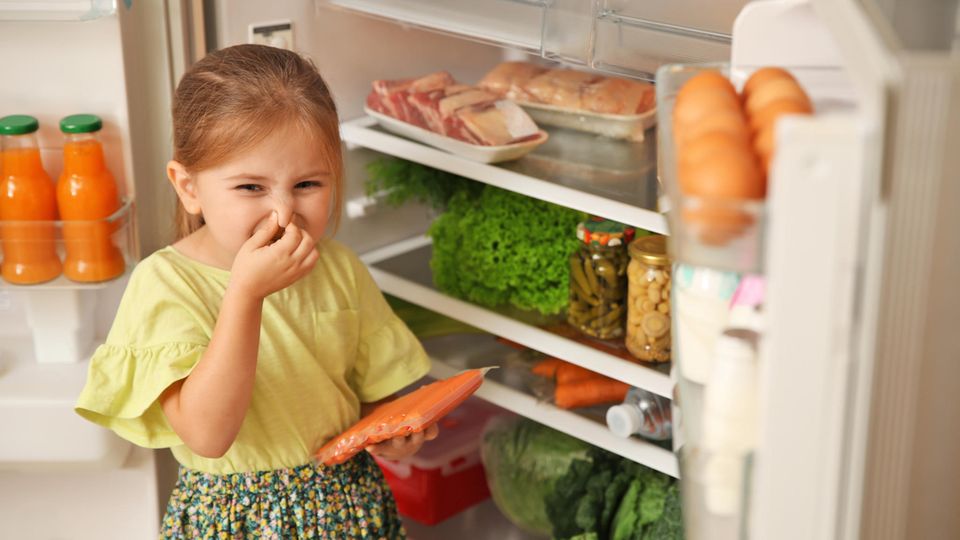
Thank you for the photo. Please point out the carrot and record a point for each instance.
(585, 393)
(568, 372)
(547, 367)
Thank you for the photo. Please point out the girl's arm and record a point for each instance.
(207, 408)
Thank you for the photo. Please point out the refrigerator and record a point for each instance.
(857, 381)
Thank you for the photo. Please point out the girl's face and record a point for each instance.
(286, 173)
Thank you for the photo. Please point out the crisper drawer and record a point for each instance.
(700, 15)
(512, 23)
(633, 37)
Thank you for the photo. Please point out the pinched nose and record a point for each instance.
(283, 205)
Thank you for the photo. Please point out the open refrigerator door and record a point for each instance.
(779, 336)
(110, 61)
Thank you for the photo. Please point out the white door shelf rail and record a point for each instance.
(412, 282)
(515, 400)
(514, 24)
(363, 132)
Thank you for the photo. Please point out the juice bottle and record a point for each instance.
(27, 195)
(86, 196)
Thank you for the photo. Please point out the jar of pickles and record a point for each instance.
(598, 278)
(648, 302)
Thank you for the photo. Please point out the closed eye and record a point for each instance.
(307, 184)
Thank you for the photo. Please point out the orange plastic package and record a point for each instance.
(408, 414)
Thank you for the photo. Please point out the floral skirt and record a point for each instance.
(312, 501)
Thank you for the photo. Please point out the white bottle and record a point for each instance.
(643, 413)
(730, 419)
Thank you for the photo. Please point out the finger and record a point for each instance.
(431, 432)
(306, 244)
(310, 260)
(290, 239)
(264, 234)
(415, 439)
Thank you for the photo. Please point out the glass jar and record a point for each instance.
(648, 302)
(598, 278)
(28, 206)
(86, 196)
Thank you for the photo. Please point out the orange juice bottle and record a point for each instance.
(87, 196)
(28, 206)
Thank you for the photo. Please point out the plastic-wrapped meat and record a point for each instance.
(509, 78)
(395, 98)
(434, 81)
(384, 87)
(559, 87)
(617, 96)
(437, 103)
(503, 122)
(452, 103)
(428, 105)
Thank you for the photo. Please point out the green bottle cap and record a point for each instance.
(18, 124)
(604, 232)
(81, 123)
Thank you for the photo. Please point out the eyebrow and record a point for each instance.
(260, 178)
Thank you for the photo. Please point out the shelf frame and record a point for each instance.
(360, 132)
(527, 335)
(568, 422)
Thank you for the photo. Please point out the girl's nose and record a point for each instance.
(283, 204)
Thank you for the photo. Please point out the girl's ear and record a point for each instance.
(185, 186)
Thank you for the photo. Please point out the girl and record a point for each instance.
(248, 343)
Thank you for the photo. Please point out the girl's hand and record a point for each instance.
(404, 447)
(261, 268)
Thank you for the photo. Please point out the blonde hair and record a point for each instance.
(233, 98)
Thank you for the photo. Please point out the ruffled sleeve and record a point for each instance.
(390, 357)
(162, 327)
(123, 384)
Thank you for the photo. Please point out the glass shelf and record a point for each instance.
(510, 387)
(23, 234)
(607, 177)
(403, 270)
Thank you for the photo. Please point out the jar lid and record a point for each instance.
(650, 249)
(18, 124)
(604, 232)
(81, 123)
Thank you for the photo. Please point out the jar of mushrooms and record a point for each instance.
(648, 299)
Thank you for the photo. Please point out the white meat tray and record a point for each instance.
(617, 126)
(473, 152)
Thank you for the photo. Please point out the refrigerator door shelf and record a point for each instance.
(40, 429)
(56, 10)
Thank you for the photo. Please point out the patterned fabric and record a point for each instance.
(312, 501)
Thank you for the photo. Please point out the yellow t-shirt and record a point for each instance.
(327, 343)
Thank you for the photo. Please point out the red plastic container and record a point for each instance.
(446, 476)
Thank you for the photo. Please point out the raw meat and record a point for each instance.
(466, 113)
(617, 96)
(500, 124)
(569, 89)
(508, 79)
(559, 87)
